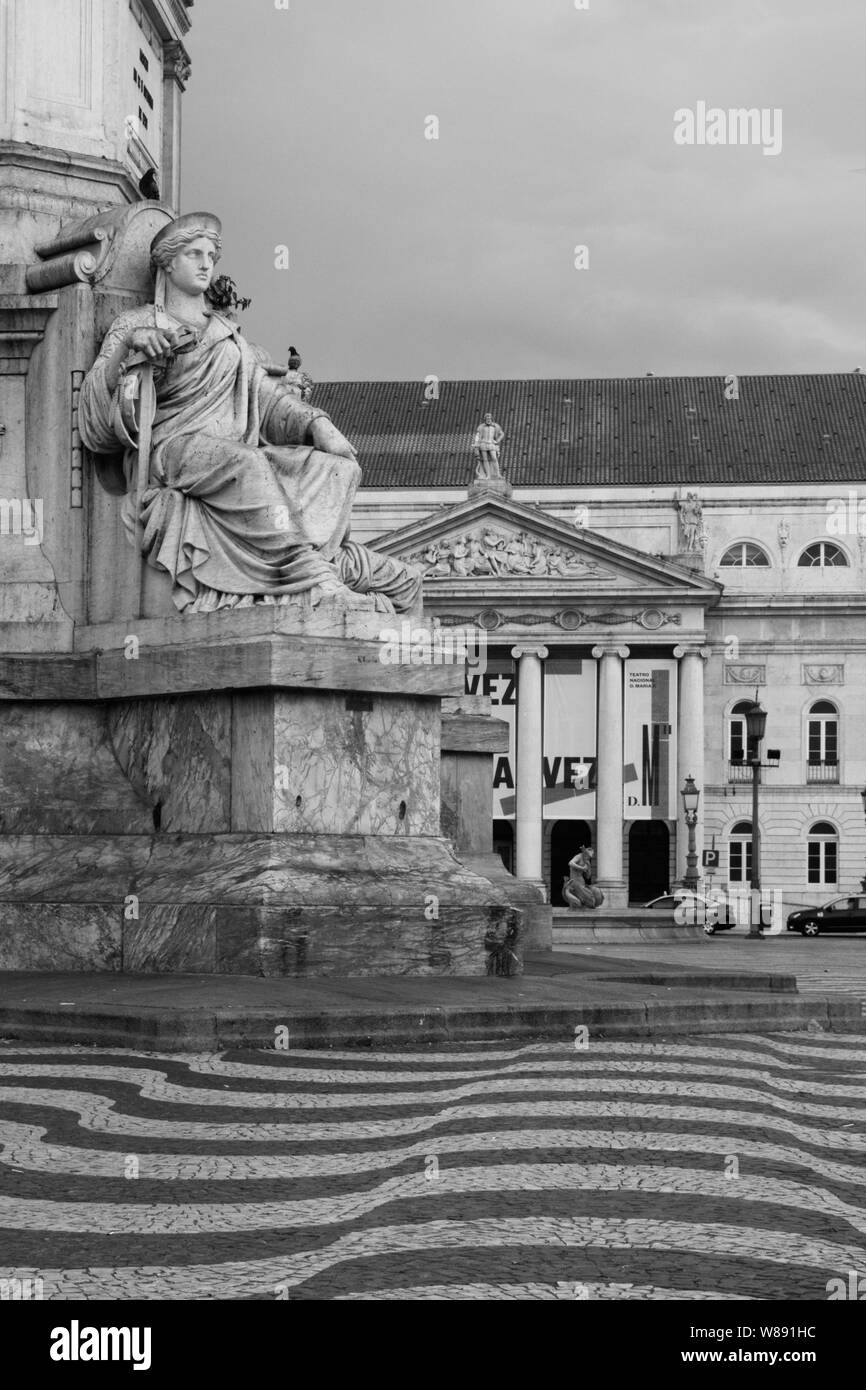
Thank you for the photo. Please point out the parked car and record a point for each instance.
(696, 909)
(839, 914)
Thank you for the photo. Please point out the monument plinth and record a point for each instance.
(268, 805)
(210, 761)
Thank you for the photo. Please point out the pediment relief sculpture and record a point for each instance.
(487, 551)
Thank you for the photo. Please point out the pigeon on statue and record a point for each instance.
(148, 186)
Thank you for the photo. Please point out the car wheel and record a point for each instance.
(709, 929)
(810, 928)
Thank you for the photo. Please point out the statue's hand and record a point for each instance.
(328, 438)
(155, 343)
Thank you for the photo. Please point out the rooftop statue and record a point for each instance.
(235, 485)
(691, 520)
(485, 447)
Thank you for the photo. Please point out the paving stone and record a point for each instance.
(719, 1167)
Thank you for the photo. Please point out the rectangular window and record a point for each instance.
(740, 870)
(823, 741)
(821, 864)
(829, 861)
(738, 740)
(142, 58)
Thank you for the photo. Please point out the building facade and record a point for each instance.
(659, 552)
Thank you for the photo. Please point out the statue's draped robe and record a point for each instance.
(236, 504)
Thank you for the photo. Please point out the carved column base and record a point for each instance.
(615, 892)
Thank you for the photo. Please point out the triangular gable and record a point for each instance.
(500, 541)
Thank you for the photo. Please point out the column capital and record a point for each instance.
(622, 652)
(529, 649)
(703, 652)
(177, 64)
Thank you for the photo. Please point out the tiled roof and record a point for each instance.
(642, 430)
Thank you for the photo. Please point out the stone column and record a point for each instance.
(528, 817)
(609, 788)
(176, 71)
(690, 746)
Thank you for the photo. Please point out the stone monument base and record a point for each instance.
(292, 905)
(618, 926)
(251, 800)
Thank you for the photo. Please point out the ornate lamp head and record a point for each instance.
(691, 796)
(756, 721)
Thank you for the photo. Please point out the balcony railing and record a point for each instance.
(739, 772)
(822, 772)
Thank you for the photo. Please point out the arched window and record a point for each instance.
(745, 554)
(739, 748)
(823, 554)
(740, 853)
(822, 853)
(822, 743)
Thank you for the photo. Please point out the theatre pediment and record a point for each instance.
(495, 543)
(490, 550)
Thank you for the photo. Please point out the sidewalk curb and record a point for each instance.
(200, 1030)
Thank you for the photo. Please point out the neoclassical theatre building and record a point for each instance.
(658, 551)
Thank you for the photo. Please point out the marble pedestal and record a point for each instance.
(469, 739)
(251, 801)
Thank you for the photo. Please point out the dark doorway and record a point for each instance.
(566, 838)
(648, 860)
(503, 842)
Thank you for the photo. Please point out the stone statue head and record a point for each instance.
(174, 239)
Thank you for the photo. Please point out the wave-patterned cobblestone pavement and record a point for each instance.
(713, 1168)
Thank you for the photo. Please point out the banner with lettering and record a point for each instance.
(500, 683)
(650, 740)
(568, 765)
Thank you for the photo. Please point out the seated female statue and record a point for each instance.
(235, 486)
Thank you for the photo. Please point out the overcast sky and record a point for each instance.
(306, 128)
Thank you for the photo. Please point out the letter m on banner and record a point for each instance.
(650, 765)
(651, 762)
(650, 739)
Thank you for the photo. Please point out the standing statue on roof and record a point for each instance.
(691, 520)
(485, 447)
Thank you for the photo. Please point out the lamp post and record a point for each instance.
(756, 723)
(691, 797)
(863, 799)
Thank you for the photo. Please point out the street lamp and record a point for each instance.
(691, 797)
(756, 723)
